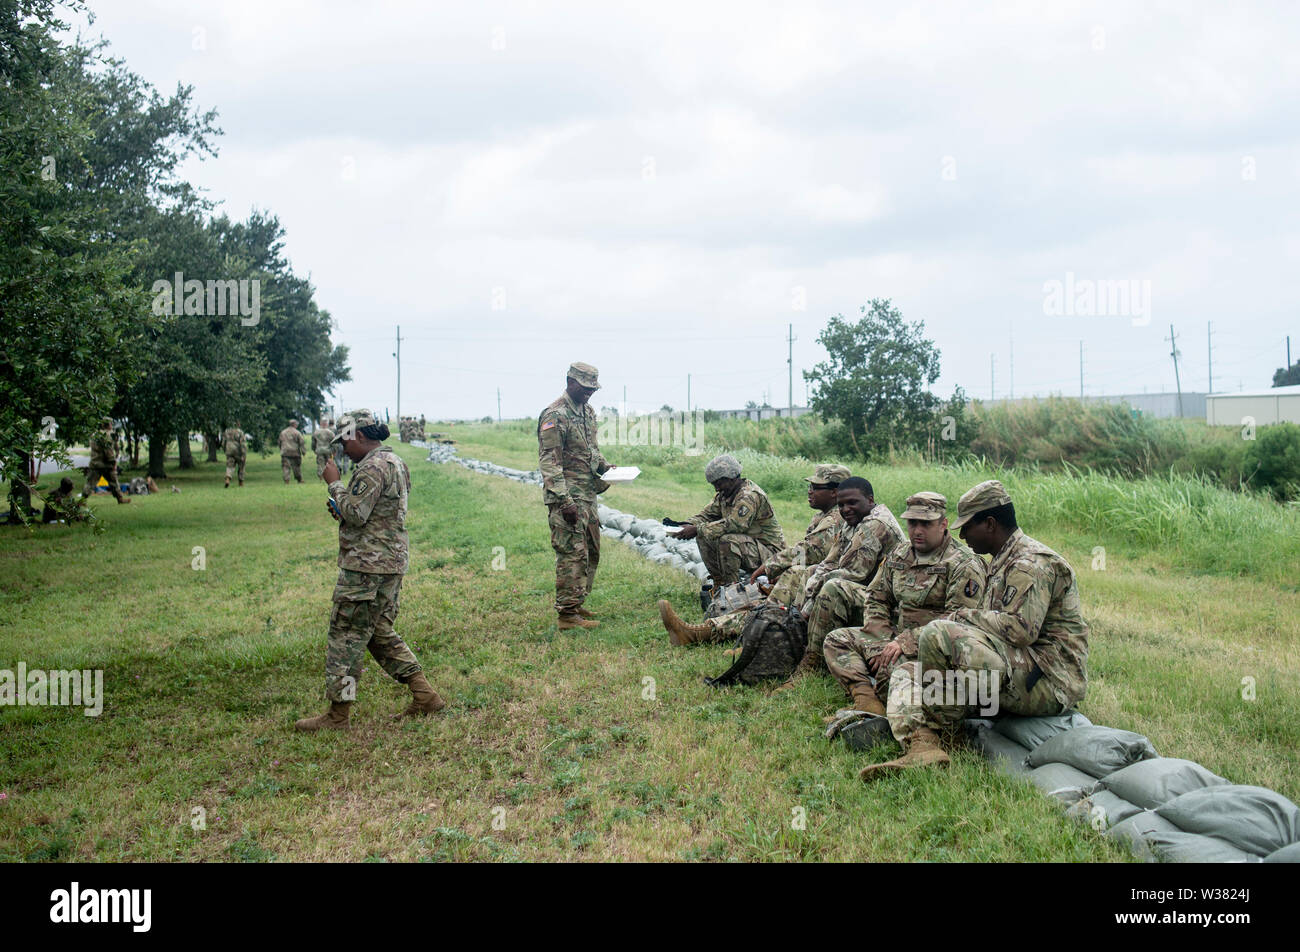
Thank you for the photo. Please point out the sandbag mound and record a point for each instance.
(1254, 819)
(1029, 732)
(1154, 782)
(1097, 751)
(1000, 749)
(1068, 784)
(1287, 854)
(1180, 847)
(1135, 831)
(1101, 809)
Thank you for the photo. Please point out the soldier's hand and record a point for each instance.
(686, 532)
(888, 655)
(753, 576)
(570, 513)
(330, 472)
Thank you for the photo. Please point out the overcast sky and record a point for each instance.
(661, 189)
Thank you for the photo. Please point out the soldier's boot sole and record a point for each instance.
(569, 622)
(680, 633)
(929, 757)
(337, 718)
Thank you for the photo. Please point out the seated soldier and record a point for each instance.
(63, 504)
(836, 591)
(1028, 636)
(789, 568)
(738, 530)
(927, 577)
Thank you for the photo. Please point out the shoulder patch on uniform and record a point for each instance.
(1008, 594)
(548, 424)
(359, 486)
(742, 510)
(972, 588)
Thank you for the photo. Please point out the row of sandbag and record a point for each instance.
(1162, 808)
(646, 536)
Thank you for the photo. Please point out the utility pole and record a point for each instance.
(1288, 351)
(688, 393)
(398, 355)
(790, 360)
(1080, 371)
(1209, 353)
(991, 359)
(498, 404)
(1173, 342)
(1012, 364)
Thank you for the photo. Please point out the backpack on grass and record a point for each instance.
(771, 645)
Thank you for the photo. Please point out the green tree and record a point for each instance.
(876, 381)
(1287, 376)
(1273, 459)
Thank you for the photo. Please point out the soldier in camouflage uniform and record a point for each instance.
(292, 446)
(571, 466)
(372, 560)
(1028, 634)
(835, 593)
(736, 532)
(788, 568)
(924, 578)
(235, 444)
(103, 462)
(320, 445)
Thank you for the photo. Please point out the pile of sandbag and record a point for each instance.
(646, 536)
(1162, 808)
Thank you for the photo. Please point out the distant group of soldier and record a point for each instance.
(293, 447)
(410, 428)
(884, 609)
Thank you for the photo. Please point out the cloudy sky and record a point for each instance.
(662, 189)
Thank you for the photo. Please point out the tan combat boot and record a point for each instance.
(335, 719)
(810, 662)
(424, 699)
(585, 613)
(864, 699)
(923, 750)
(680, 633)
(575, 620)
(227, 486)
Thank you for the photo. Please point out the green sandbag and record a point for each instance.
(1097, 751)
(1134, 831)
(1062, 781)
(1287, 854)
(1003, 751)
(1253, 819)
(1102, 810)
(1152, 783)
(1029, 732)
(1196, 848)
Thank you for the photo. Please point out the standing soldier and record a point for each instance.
(371, 512)
(736, 532)
(234, 442)
(103, 462)
(320, 445)
(571, 467)
(1028, 635)
(292, 446)
(927, 577)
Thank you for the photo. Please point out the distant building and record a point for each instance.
(1159, 405)
(763, 413)
(1275, 405)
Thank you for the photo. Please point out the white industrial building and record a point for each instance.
(1275, 405)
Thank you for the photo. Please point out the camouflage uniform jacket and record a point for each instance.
(911, 590)
(1032, 602)
(234, 442)
(372, 530)
(748, 512)
(320, 441)
(291, 442)
(569, 458)
(856, 551)
(103, 451)
(811, 549)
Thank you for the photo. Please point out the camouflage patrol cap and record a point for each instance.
(585, 374)
(987, 495)
(349, 423)
(926, 506)
(831, 473)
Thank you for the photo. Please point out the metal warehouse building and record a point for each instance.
(1277, 405)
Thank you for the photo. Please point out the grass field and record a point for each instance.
(599, 745)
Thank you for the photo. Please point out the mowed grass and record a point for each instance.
(596, 745)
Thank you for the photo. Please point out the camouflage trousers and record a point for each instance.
(320, 464)
(847, 651)
(365, 608)
(921, 692)
(235, 463)
(110, 476)
(787, 591)
(839, 604)
(293, 463)
(731, 557)
(577, 554)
